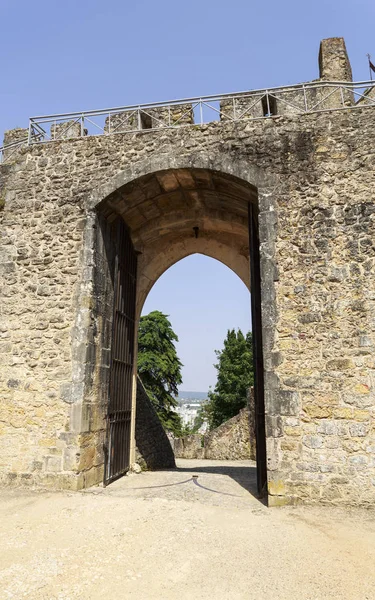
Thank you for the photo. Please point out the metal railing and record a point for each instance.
(258, 104)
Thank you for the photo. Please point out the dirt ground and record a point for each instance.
(167, 535)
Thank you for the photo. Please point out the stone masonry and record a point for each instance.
(312, 177)
(232, 440)
(154, 450)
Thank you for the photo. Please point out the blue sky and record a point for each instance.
(204, 299)
(67, 56)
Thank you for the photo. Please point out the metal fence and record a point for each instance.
(258, 104)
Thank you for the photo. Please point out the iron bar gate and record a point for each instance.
(256, 318)
(122, 356)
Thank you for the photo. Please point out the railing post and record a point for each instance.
(82, 125)
(342, 96)
(268, 105)
(29, 134)
(139, 118)
(201, 110)
(304, 98)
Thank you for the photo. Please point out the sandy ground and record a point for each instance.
(181, 541)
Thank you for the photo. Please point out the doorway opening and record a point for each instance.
(145, 227)
(210, 422)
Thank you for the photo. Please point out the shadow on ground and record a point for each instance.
(245, 476)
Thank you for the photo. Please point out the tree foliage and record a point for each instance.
(235, 374)
(159, 367)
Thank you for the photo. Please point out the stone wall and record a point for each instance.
(189, 446)
(233, 440)
(154, 450)
(312, 176)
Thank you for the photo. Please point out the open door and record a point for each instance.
(122, 355)
(256, 318)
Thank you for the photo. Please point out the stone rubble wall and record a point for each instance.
(189, 446)
(232, 440)
(154, 450)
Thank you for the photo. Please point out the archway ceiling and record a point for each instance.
(170, 203)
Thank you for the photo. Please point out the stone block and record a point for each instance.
(358, 429)
(343, 413)
(53, 464)
(87, 458)
(293, 431)
(276, 488)
(340, 364)
(289, 445)
(274, 426)
(358, 462)
(361, 415)
(278, 501)
(71, 457)
(314, 411)
(312, 441)
(282, 402)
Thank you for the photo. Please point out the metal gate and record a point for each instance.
(256, 318)
(122, 355)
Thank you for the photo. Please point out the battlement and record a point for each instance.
(333, 91)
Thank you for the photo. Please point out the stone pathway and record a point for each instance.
(162, 536)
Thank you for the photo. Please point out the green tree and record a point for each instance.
(199, 419)
(235, 374)
(159, 367)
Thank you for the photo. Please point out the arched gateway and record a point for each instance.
(279, 188)
(145, 226)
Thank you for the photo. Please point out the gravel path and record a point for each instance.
(150, 536)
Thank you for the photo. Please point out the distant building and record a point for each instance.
(188, 409)
(188, 412)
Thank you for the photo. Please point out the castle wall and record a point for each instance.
(314, 180)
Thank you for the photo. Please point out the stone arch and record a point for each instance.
(162, 209)
(221, 252)
(225, 188)
(224, 163)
